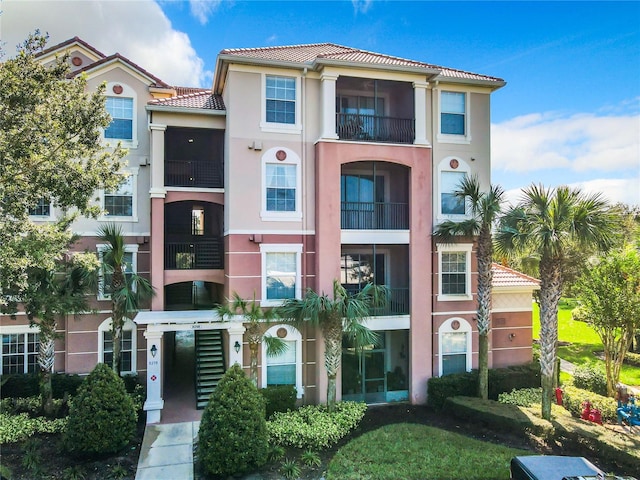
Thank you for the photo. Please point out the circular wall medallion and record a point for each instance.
(454, 163)
(117, 89)
(77, 61)
(455, 325)
(282, 332)
(281, 155)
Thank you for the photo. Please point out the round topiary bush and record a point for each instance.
(102, 418)
(233, 430)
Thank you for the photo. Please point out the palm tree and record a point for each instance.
(550, 222)
(52, 295)
(126, 289)
(484, 210)
(255, 317)
(345, 313)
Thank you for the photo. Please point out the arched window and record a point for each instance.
(286, 368)
(128, 345)
(454, 346)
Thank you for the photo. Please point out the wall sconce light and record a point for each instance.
(154, 350)
(236, 347)
(512, 336)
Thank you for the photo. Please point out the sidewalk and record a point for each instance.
(167, 452)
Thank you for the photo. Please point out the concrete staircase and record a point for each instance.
(209, 364)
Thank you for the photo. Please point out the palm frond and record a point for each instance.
(274, 346)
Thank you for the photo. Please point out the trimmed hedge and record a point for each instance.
(279, 398)
(466, 384)
(572, 398)
(15, 428)
(588, 377)
(27, 385)
(632, 359)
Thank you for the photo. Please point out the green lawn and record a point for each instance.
(583, 343)
(410, 451)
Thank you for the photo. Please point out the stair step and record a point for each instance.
(210, 364)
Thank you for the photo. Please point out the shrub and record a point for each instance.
(15, 428)
(279, 398)
(632, 359)
(313, 426)
(233, 432)
(506, 379)
(32, 406)
(525, 397)
(20, 385)
(102, 418)
(590, 378)
(64, 385)
(572, 398)
(310, 458)
(457, 384)
(290, 469)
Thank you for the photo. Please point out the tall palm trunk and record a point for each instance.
(485, 276)
(117, 317)
(332, 331)
(254, 338)
(46, 358)
(550, 292)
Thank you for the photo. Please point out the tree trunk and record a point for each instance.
(332, 331)
(46, 359)
(331, 392)
(483, 366)
(485, 253)
(253, 363)
(116, 333)
(550, 292)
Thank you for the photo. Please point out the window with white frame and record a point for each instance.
(280, 97)
(19, 353)
(41, 209)
(128, 345)
(130, 267)
(119, 202)
(451, 172)
(280, 273)
(452, 113)
(121, 111)
(286, 367)
(281, 185)
(454, 262)
(454, 346)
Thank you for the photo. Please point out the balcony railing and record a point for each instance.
(397, 301)
(373, 128)
(374, 216)
(203, 254)
(189, 173)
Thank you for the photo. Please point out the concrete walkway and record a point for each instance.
(167, 452)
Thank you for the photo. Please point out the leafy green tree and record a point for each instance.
(484, 210)
(345, 313)
(128, 290)
(50, 148)
(52, 295)
(255, 318)
(550, 222)
(609, 301)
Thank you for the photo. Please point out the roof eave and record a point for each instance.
(432, 72)
(199, 111)
(493, 84)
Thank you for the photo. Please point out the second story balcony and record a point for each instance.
(194, 157)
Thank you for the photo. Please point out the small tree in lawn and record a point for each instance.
(233, 432)
(255, 317)
(609, 301)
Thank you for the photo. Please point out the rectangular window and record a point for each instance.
(281, 99)
(105, 278)
(452, 113)
(450, 204)
(281, 369)
(19, 353)
(125, 349)
(42, 209)
(454, 273)
(454, 352)
(281, 188)
(119, 203)
(281, 275)
(121, 111)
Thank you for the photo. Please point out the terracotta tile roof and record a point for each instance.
(117, 56)
(201, 100)
(71, 41)
(188, 90)
(507, 277)
(318, 52)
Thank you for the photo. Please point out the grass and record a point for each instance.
(411, 451)
(583, 342)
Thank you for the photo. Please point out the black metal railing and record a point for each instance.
(374, 216)
(397, 301)
(202, 254)
(374, 128)
(190, 173)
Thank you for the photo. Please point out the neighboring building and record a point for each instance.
(302, 165)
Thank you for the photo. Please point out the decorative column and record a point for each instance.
(420, 106)
(329, 106)
(154, 403)
(157, 194)
(235, 331)
(157, 157)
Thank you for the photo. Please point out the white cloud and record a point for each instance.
(201, 9)
(138, 30)
(581, 142)
(361, 6)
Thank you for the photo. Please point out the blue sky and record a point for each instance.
(570, 113)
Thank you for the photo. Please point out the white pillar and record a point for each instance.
(154, 403)
(235, 331)
(157, 160)
(329, 106)
(420, 106)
